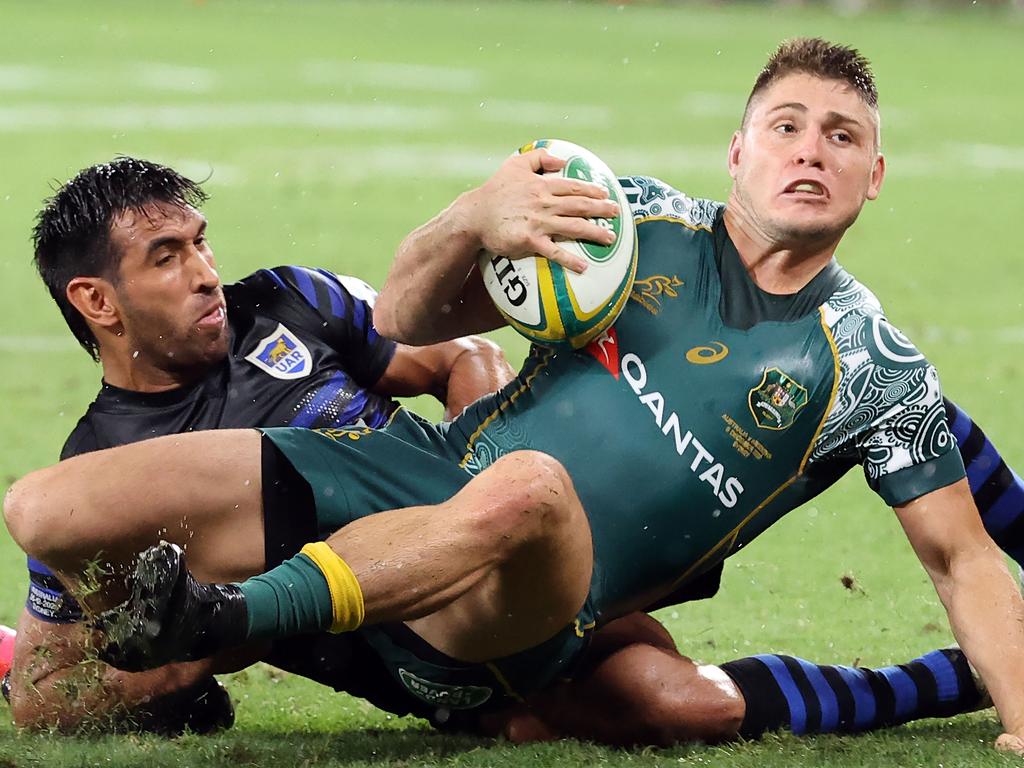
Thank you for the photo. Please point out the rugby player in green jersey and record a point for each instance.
(537, 543)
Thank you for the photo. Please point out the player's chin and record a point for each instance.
(210, 346)
(813, 227)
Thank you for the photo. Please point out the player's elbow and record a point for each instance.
(384, 319)
(31, 705)
(25, 514)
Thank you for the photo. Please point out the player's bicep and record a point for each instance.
(941, 526)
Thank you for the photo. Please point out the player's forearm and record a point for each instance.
(987, 617)
(90, 694)
(478, 369)
(424, 299)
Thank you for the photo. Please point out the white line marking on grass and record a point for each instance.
(992, 156)
(172, 77)
(38, 344)
(186, 117)
(707, 104)
(341, 164)
(544, 114)
(19, 77)
(416, 77)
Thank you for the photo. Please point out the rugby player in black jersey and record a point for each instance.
(811, 721)
(123, 249)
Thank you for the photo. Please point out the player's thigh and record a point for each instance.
(201, 490)
(524, 503)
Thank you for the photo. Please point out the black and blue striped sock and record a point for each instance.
(998, 491)
(786, 693)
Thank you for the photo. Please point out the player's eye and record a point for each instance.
(785, 128)
(842, 137)
(164, 260)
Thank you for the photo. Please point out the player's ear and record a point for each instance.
(877, 176)
(93, 297)
(735, 147)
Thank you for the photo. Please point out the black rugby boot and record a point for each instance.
(170, 616)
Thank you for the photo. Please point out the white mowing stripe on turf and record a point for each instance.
(173, 77)
(186, 117)
(544, 114)
(381, 74)
(39, 344)
(22, 77)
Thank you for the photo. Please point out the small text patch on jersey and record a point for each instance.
(282, 354)
(443, 695)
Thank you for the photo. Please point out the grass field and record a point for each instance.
(328, 130)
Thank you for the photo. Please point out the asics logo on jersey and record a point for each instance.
(650, 291)
(703, 464)
(282, 354)
(707, 355)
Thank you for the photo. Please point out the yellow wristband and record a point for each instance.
(346, 595)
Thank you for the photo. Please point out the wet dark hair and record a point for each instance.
(72, 232)
(814, 56)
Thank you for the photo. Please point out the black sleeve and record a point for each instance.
(337, 309)
(81, 440)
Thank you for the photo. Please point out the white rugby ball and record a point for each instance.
(551, 305)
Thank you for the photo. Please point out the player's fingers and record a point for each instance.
(585, 207)
(1009, 742)
(549, 162)
(539, 161)
(574, 228)
(577, 187)
(547, 248)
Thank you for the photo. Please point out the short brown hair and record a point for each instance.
(814, 56)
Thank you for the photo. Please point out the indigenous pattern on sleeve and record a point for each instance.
(888, 410)
(651, 198)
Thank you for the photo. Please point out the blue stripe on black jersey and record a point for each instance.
(274, 276)
(320, 401)
(334, 292)
(998, 491)
(304, 282)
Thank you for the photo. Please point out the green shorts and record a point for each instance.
(356, 472)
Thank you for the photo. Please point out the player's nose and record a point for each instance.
(810, 151)
(205, 277)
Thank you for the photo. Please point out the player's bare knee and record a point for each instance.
(25, 514)
(533, 496)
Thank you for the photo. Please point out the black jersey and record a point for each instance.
(303, 353)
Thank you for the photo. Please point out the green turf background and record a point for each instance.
(328, 130)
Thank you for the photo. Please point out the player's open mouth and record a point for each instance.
(215, 317)
(807, 188)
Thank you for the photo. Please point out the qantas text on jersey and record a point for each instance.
(728, 489)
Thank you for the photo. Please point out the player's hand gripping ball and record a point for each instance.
(551, 305)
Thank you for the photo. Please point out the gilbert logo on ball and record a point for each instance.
(547, 303)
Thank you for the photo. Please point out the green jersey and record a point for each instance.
(700, 419)
(709, 411)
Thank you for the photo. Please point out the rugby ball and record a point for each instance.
(551, 305)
